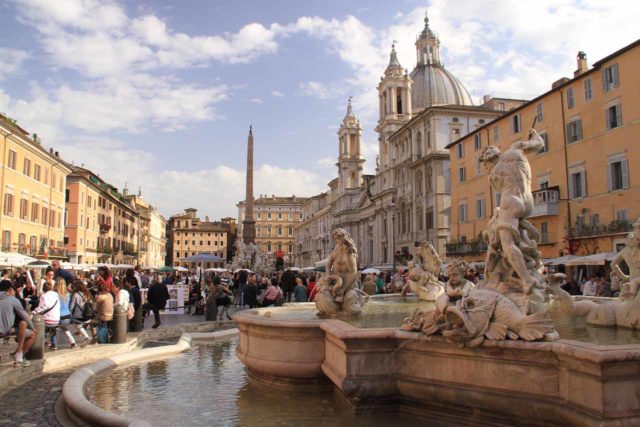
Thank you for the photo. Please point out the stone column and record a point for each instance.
(249, 225)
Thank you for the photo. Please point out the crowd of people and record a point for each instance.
(595, 285)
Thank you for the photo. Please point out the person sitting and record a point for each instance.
(12, 314)
(104, 310)
(603, 288)
(273, 293)
(299, 292)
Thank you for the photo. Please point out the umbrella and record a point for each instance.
(294, 269)
(8, 259)
(165, 269)
(595, 259)
(215, 270)
(243, 269)
(560, 260)
(181, 269)
(38, 264)
(370, 270)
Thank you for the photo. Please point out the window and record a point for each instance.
(429, 219)
(610, 78)
(539, 112)
(268, 215)
(595, 219)
(268, 246)
(545, 140)
(574, 131)
(613, 116)
(36, 172)
(480, 208)
(618, 175)
(8, 204)
(544, 232)
(588, 93)
(461, 174)
(279, 230)
(35, 211)
(501, 106)
(496, 135)
(498, 198)
(290, 231)
(27, 167)
(462, 212)
(11, 161)
(577, 185)
(516, 126)
(621, 215)
(259, 215)
(460, 150)
(24, 209)
(477, 141)
(570, 100)
(280, 214)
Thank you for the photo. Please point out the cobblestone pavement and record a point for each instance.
(32, 404)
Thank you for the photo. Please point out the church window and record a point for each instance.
(419, 144)
(399, 102)
(419, 182)
(384, 101)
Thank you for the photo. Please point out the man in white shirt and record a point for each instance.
(589, 288)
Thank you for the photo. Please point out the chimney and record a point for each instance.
(583, 67)
(559, 82)
(206, 218)
(486, 98)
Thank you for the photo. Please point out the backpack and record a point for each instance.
(87, 311)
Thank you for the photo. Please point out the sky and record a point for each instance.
(160, 94)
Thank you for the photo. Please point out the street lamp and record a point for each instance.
(393, 233)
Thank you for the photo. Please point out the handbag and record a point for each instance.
(102, 333)
(130, 312)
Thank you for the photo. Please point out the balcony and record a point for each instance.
(473, 247)
(104, 250)
(615, 227)
(545, 202)
(105, 227)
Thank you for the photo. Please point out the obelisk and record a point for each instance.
(248, 224)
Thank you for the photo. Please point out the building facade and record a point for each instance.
(408, 199)
(101, 223)
(275, 219)
(32, 190)
(187, 236)
(152, 237)
(585, 194)
(311, 236)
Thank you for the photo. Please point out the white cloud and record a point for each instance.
(11, 61)
(321, 90)
(255, 100)
(277, 93)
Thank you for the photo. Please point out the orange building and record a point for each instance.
(584, 194)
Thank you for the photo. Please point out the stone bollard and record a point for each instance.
(36, 352)
(136, 323)
(119, 325)
(211, 309)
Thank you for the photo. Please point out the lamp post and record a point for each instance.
(393, 234)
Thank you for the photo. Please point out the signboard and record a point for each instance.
(178, 295)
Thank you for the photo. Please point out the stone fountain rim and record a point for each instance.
(84, 412)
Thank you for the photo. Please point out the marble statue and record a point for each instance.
(513, 263)
(510, 302)
(467, 316)
(631, 256)
(249, 256)
(337, 290)
(423, 277)
(620, 312)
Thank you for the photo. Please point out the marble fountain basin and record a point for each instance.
(591, 376)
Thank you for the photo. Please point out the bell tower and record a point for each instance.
(394, 93)
(350, 158)
(427, 46)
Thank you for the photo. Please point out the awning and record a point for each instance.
(595, 259)
(202, 257)
(560, 260)
(322, 263)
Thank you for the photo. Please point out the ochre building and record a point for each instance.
(586, 195)
(187, 235)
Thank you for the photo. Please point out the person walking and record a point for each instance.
(157, 298)
(49, 308)
(250, 292)
(222, 296)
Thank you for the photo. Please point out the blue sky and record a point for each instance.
(160, 94)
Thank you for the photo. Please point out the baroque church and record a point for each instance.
(408, 199)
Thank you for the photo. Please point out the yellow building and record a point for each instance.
(275, 217)
(101, 224)
(585, 196)
(187, 235)
(32, 187)
(152, 237)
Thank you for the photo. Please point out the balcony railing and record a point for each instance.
(466, 248)
(545, 202)
(615, 227)
(104, 228)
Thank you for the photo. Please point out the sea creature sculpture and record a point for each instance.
(423, 278)
(337, 291)
(625, 313)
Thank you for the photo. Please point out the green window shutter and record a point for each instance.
(607, 120)
(610, 176)
(572, 190)
(614, 72)
(625, 173)
(619, 115)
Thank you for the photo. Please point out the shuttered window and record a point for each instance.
(574, 131)
(571, 102)
(613, 116)
(617, 174)
(577, 185)
(610, 78)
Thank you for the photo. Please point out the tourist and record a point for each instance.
(104, 276)
(369, 284)
(250, 292)
(65, 312)
(122, 295)
(397, 283)
(243, 278)
(48, 277)
(157, 297)
(571, 287)
(615, 284)
(273, 293)
(14, 320)
(104, 314)
(81, 308)
(603, 288)
(590, 286)
(49, 308)
(299, 292)
(61, 272)
(311, 288)
(222, 295)
(380, 283)
(288, 282)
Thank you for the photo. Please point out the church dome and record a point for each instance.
(432, 83)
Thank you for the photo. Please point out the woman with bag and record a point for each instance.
(65, 313)
(122, 298)
(81, 308)
(49, 308)
(104, 314)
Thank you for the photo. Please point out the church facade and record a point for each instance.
(408, 200)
